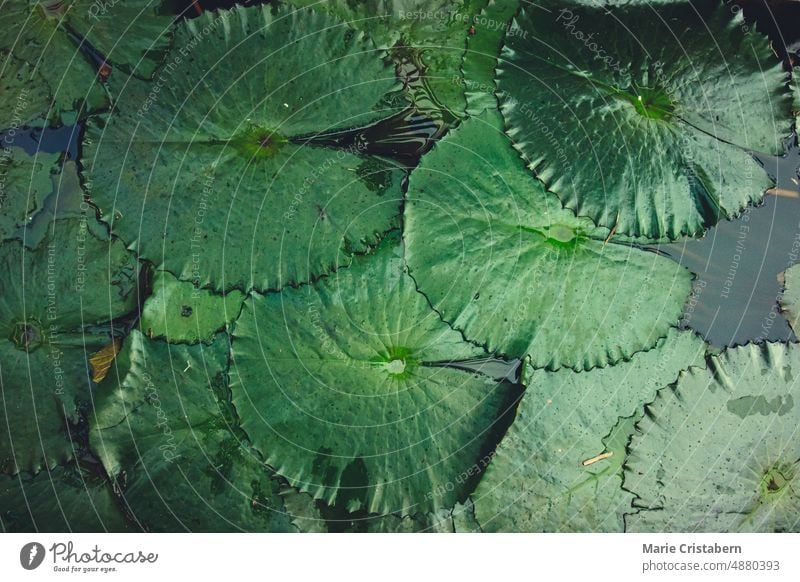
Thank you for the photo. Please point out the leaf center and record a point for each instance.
(396, 366)
(650, 102)
(774, 482)
(258, 142)
(27, 336)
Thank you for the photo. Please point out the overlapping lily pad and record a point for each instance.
(542, 477)
(501, 260)
(163, 435)
(209, 174)
(435, 30)
(180, 312)
(719, 451)
(64, 499)
(48, 298)
(639, 116)
(347, 390)
(483, 50)
(62, 45)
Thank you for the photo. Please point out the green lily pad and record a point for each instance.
(719, 451)
(640, 116)
(132, 35)
(500, 259)
(483, 49)
(24, 94)
(64, 499)
(790, 300)
(538, 481)
(210, 176)
(435, 31)
(48, 298)
(464, 518)
(180, 312)
(162, 435)
(346, 389)
(26, 182)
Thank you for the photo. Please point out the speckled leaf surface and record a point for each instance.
(24, 93)
(501, 260)
(64, 499)
(48, 296)
(719, 451)
(634, 129)
(26, 182)
(537, 481)
(210, 176)
(163, 436)
(180, 312)
(345, 388)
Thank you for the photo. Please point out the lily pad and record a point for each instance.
(641, 116)
(24, 94)
(25, 182)
(719, 451)
(559, 467)
(500, 259)
(162, 435)
(483, 49)
(790, 299)
(64, 44)
(347, 389)
(64, 499)
(48, 298)
(210, 175)
(180, 312)
(434, 30)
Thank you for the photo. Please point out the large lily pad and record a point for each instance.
(210, 175)
(48, 298)
(26, 182)
(719, 451)
(640, 116)
(180, 312)
(501, 260)
(64, 499)
(537, 480)
(346, 388)
(162, 434)
(132, 34)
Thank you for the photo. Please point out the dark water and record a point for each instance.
(737, 263)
